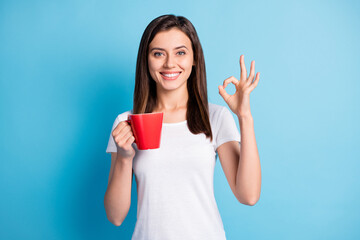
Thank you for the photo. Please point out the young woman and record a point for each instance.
(175, 182)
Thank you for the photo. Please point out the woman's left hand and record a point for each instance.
(239, 102)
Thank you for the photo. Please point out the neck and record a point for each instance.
(172, 100)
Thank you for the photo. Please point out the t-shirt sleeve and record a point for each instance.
(111, 147)
(226, 129)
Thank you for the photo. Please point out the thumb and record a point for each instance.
(223, 93)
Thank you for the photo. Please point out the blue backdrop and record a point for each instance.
(67, 70)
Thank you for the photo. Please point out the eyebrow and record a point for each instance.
(161, 49)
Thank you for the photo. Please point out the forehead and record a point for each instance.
(170, 39)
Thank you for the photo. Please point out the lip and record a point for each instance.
(167, 72)
(169, 78)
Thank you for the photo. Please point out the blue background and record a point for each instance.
(67, 70)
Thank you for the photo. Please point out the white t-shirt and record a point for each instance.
(175, 182)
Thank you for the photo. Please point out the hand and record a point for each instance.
(239, 102)
(124, 137)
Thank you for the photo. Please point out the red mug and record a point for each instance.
(146, 128)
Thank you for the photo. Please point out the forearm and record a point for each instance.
(248, 177)
(118, 194)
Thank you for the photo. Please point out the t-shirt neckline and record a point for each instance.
(172, 124)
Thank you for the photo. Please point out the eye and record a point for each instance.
(155, 54)
(182, 52)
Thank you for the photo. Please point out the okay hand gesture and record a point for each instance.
(239, 102)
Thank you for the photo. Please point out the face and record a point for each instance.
(170, 59)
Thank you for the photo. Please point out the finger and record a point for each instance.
(223, 93)
(243, 69)
(122, 134)
(256, 81)
(229, 80)
(119, 127)
(252, 73)
(124, 131)
(130, 140)
(122, 140)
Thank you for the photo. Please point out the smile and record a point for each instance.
(171, 76)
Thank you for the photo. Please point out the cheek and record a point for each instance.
(186, 63)
(153, 68)
(154, 65)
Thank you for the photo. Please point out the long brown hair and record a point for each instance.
(145, 97)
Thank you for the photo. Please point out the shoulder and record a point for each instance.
(121, 117)
(215, 111)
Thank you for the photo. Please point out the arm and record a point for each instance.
(248, 176)
(241, 164)
(118, 193)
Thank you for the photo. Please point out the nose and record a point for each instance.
(169, 62)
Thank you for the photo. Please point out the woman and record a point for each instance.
(175, 182)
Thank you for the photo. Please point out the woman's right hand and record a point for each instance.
(124, 137)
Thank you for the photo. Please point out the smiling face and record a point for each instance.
(170, 59)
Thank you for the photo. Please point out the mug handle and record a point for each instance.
(129, 122)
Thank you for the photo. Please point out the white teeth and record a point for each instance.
(170, 75)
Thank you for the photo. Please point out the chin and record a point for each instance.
(170, 86)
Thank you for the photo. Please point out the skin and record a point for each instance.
(241, 163)
(172, 94)
(244, 177)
